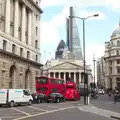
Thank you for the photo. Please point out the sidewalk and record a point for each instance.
(95, 110)
(99, 109)
(107, 103)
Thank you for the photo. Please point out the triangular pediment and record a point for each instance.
(66, 66)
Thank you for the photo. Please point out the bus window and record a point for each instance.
(52, 81)
(42, 80)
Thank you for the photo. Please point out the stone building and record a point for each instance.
(19, 43)
(112, 60)
(101, 72)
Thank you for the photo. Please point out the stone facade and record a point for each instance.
(19, 43)
(112, 61)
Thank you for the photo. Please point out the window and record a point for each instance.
(118, 70)
(42, 80)
(36, 17)
(118, 61)
(110, 62)
(117, 52)
(13, 48)
(4, 44)
(36, 30)
(21, 52)
(110, 70)
(28, 54)
(36, 58)
(36, 44)
(118, 43)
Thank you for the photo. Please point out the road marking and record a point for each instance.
(52, 107)
(38, 108)
(21, 111)
(44, 113)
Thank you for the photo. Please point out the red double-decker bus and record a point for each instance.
(48, 85)
(71, 92)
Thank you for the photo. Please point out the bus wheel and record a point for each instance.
(11, 104)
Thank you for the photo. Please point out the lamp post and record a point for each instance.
(94, 70)
(83, 20)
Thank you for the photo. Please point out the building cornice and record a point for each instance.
(21, 58)
(33, 6)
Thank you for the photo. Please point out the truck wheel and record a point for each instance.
(30, 102)
(38, 101)
(11, 104)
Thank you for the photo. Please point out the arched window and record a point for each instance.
(118, 43)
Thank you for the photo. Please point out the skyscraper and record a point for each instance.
(73, 40)
(60, 49)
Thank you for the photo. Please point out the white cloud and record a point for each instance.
(96, 49)
(49, 39)
(50, 30)
(115, 4)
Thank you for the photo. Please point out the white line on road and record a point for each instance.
(44, 113)
(38, 108)
(21, 111)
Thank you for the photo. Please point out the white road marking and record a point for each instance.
(44, 113)
(53, 107)
(21, 111)
(38, 108)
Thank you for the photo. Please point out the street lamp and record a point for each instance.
(83, 19)
(94, 71)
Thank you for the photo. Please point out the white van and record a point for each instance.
(15, 96)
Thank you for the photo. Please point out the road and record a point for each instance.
(69, 110)
(106, 102)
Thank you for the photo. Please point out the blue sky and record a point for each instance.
(97, 30)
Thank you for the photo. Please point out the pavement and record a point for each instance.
(106, 102)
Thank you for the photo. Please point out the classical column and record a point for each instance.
(7, 17)
(49, 74)
(64, 77)
(59, 75)
(53, 75)
(29, 27)
(70, 75)
(23, 24)
(16, 20)
(79, 77)
(75, 77)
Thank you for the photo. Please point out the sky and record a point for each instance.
(98, 30)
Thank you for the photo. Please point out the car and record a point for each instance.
(101, 91)
(56, 98)
(39, 97)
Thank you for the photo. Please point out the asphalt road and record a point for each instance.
(51, 111)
